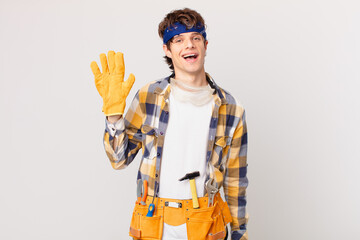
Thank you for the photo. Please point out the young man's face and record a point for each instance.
(187, 52)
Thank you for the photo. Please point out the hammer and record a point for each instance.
(191, 177)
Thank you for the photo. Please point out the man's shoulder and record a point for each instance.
(230, 99)
(155, 86)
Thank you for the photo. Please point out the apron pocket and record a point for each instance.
(197, 229)
(151, 227)
(135, 231)
(198, 223)
(142, 227)
(226, 213)
(217, 230)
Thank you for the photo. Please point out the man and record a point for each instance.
(185, 125)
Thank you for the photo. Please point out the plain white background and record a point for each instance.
(293, 64)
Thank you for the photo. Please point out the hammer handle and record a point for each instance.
(194, 194)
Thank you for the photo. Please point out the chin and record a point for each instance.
(196, 70)
(193, 68)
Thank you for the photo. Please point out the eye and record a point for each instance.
(197, 38)
(177, 40)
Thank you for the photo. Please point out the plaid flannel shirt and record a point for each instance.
(144, 127)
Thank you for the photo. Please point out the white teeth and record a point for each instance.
(190, 55)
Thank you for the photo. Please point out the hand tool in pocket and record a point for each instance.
(142, 190)
(211, 189)
(151, 209)
(191, 177)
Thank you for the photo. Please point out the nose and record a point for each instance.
(189, 43)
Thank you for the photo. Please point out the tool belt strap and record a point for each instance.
(180, 203)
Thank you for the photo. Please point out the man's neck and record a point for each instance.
(196, 80)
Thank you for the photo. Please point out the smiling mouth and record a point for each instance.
(190, 57)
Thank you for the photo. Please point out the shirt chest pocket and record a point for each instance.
(149, 141)
(221, 150)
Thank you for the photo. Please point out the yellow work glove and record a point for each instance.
(110, 83)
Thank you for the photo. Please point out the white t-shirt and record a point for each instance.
(184, 152)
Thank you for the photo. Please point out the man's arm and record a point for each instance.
(113, 119)
(123, 138)
(121, 142)
(236, 182)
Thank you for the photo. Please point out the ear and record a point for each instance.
(206, 43)
(167, 51)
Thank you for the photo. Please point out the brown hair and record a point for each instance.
(187, 17)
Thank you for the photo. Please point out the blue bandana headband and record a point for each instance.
(179, 28)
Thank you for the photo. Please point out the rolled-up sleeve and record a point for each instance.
(123, 139)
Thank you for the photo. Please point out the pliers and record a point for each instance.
(142, 191)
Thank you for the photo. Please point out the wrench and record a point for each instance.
(211, 190)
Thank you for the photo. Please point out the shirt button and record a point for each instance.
(156, 175)
(158, 154)
(161, 133)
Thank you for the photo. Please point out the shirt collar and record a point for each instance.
(218, 94)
